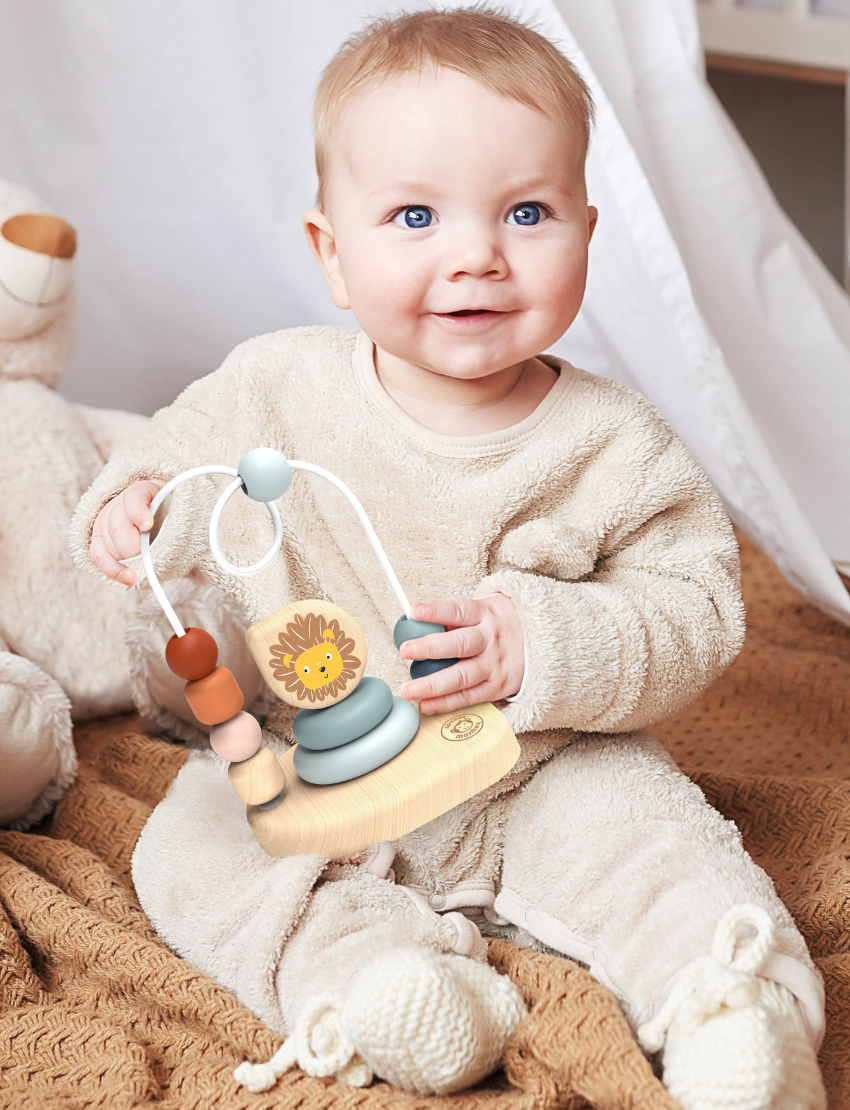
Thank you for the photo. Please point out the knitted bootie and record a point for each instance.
(430, 1022)
(732, 1040)
(424, 1021)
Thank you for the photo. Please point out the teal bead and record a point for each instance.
(266, 474)
(407, 629)
(335, 725)
(376, 748)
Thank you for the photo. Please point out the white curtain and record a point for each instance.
(175, 135)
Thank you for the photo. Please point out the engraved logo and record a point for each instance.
(462, 726)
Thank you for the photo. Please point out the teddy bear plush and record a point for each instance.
(71, 646)
(62, 652)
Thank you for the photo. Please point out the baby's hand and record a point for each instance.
(485, 636)
(117, 530)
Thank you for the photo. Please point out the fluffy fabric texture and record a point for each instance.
(61, 633)
(605, 850)
(590, 514)
(96, 1008)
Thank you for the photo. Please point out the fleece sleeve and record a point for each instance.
(653, 619)
(199, 428)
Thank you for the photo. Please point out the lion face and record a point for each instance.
(314, 658)
(318, 665)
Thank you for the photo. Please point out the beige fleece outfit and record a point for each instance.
(594, 519)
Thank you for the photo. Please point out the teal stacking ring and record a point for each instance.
(335, 725)
(365, 754)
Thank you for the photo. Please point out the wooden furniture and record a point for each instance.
(790, 38)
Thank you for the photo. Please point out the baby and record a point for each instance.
(593, 588)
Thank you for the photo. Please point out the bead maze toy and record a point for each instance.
(366, 765)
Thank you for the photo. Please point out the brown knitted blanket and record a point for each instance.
(95, 1011)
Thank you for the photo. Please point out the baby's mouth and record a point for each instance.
(469, 313)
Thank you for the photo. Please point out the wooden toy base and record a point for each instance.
(452, 757)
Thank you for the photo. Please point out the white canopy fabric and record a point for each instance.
(175, 135)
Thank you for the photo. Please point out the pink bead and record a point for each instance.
(237, 739)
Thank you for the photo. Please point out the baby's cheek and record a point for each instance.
(384, 279)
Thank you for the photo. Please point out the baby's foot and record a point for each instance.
(430, 1022)
(423, 1020)
(731, 1039)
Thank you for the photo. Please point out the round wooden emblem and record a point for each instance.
(312, 653)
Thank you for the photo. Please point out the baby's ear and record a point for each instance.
(320, 236)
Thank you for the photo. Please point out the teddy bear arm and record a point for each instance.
(110, 429)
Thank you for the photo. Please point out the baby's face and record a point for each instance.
(457, 224)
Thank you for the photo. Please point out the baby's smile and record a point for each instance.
(466, 317)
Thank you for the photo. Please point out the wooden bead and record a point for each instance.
(258, 779)
(192, 656)
(214, 698)
(312, 653)
(237, 739)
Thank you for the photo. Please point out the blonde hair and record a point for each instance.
(502, 55)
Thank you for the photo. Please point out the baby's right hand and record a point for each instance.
(117, 530)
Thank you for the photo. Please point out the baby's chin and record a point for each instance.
(462, 359)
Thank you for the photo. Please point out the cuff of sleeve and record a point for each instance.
(524, 682)
(573, 652)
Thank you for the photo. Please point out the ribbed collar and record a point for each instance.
(480, 446)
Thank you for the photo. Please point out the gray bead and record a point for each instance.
(335, 725)
(421, 668)
(359, 757)
(266, 474)
(271, 803)
(407, 629)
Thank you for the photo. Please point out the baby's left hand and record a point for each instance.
(485, 636)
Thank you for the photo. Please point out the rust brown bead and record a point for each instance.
(214, 698)
(192, 656)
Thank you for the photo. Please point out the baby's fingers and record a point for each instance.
(463, 674)
(460, 699)
(137, 503)
(108, 564)
(459, 612)
(460, 643)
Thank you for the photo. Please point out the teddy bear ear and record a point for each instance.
(548, 547)
(36, 272)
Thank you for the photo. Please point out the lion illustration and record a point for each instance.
(314, 660)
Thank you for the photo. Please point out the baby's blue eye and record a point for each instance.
(414, 216)
(525, 214)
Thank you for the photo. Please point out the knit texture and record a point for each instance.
(730, 1038)
(430, 1022)
(95, 1011)
(425, 1021)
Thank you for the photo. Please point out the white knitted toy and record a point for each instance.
(425, 1021)
(732, 1039)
